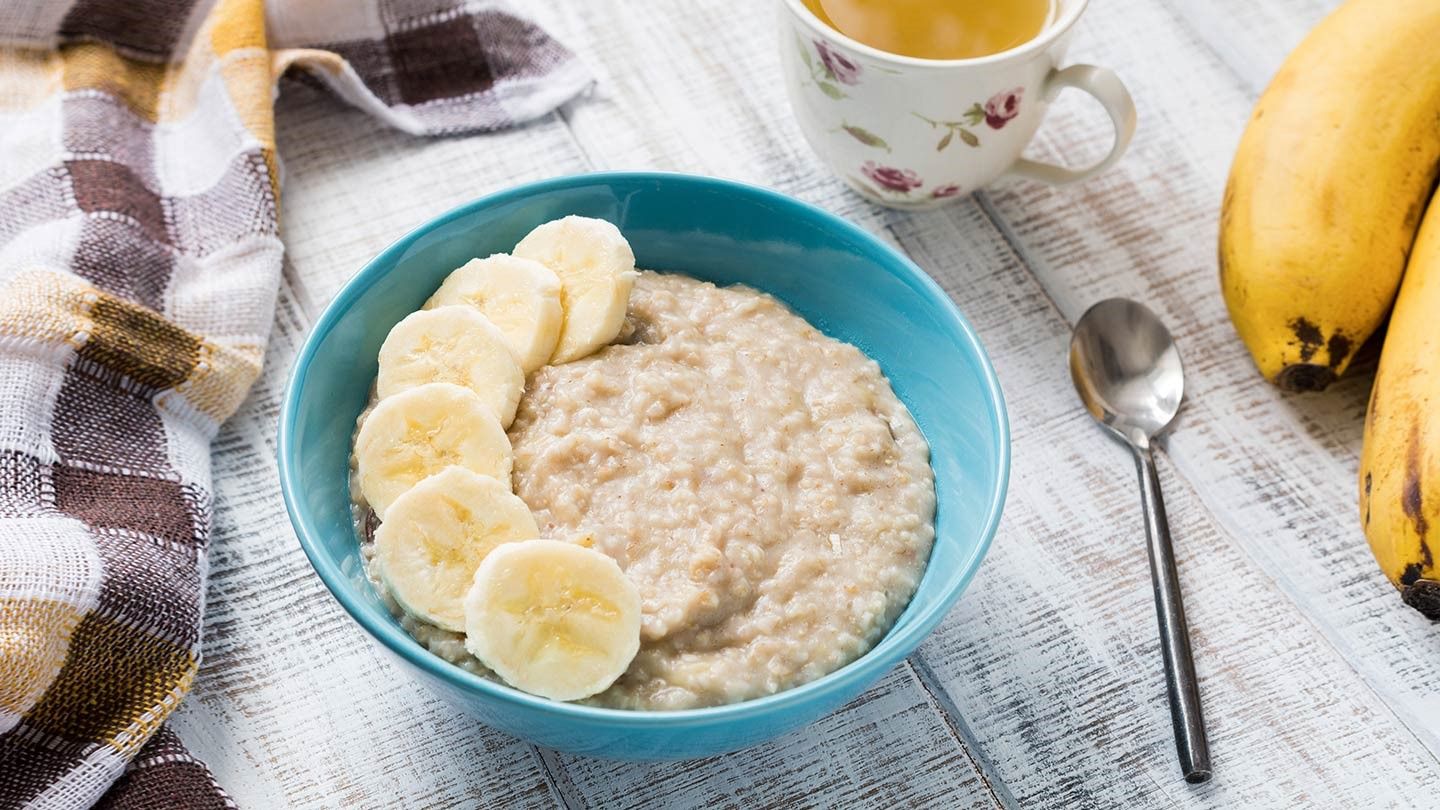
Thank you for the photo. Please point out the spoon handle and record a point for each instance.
(1190, 740)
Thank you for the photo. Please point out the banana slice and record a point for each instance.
(455, 345)
(421, 431)
(552, 618)
(596, 269)
(435, 535)
(520, 296)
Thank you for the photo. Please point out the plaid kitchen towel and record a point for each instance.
(139, 261)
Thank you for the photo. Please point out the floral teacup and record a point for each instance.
(914, 133)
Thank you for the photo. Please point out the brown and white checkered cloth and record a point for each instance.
(139, 261)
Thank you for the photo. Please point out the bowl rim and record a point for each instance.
(891, 649)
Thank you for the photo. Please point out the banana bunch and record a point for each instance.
(1327, 188)
(456, 547)
(1320, 215)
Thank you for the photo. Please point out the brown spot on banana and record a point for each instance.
(1339, 348)
(1412, 497)
(1366, 499)
(1413, 212)
(1421, 594)
(1309, 335)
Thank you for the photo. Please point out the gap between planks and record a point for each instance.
(561, 785)
(965, 738)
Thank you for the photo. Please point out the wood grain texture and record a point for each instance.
(1043, 688)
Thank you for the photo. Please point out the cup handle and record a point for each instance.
(1106, 88)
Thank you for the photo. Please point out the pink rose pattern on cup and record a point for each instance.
(889, 178)
(833, 69)
(840, 67)
(1002, 107)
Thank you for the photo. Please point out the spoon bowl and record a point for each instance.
(1127, 369)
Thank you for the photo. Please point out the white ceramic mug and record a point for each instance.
(916, 133)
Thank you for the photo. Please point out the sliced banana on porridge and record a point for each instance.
(421, 431)
(455, 345)
(436, 534)
(552, 618)
(520, 296)
(597, 271)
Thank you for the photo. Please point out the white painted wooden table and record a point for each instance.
(1043, 688)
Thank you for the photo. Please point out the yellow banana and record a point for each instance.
(1327, 188)
(1400, 465)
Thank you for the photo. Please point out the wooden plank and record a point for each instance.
(1250, 38)
(295, 707)
(1278, 470)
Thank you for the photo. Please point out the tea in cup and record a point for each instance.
(936, 29)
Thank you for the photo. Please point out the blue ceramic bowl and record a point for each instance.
(845, 281)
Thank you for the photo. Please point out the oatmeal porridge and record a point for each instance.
(758, 482)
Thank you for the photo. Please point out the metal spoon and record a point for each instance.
(1127, 371)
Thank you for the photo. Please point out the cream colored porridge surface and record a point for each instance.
(758, 481)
